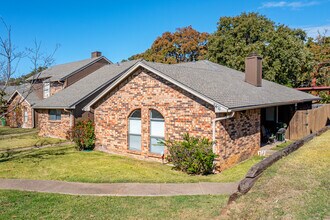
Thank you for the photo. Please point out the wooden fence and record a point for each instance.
(305, 122)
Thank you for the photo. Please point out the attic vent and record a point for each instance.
(253, 70)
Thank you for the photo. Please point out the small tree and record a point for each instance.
(83, 135)
(192, 155)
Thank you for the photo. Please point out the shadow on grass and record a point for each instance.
(36, 154)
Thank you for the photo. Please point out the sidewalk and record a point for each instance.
(119, 189)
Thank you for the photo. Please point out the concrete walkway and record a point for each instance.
(119, 189)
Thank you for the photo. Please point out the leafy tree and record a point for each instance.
(286, 60)
(184, 45)
(22, 79)
(320, 48)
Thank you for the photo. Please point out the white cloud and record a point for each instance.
(315, 30)
(287, 4)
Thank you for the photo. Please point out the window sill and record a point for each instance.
(154, 155)
(133, 152)
(54, 121)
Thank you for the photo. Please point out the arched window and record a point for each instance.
(157, 132)
(134, 130)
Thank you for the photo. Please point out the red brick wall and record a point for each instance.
(55, 87)
(238, 138)
(183, 113)
(15, 116)
(147, 91)
(58, 128)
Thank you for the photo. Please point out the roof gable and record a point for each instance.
(218, 107)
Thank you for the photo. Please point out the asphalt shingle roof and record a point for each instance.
(68, 97)
(60, 72)
(227, 86)
(25, 90)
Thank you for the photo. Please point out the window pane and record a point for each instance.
(46, 89)
(155, 114)
(155, 146)
(134, 142)
(136, 114)
(58, 114)
(157, 128)
(134, 126)
(25, 116)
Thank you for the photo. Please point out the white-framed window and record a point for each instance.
(134, 130)
(54, 114)
(46, 89)
(157, 132)
(26, 116)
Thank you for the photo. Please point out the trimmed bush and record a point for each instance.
(83, 135)
(191, 155)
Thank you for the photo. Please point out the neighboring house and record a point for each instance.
(152, 101)
(19, 111)
(46, 84)
(57, 114)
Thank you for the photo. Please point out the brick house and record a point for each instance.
(58, 113)
(23, 98)
(134, 104)
(152, 101)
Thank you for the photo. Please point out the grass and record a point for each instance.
(29, 205)
(67, 164)
(282, 145)
(7, 130)
(296, 187)
(27, 140)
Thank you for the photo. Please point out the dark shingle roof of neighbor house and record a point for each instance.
(62, 71)
(77, 92)
(223, 85)
(25, 91)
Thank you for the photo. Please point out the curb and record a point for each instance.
(256, 170)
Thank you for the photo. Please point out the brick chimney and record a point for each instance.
(96, 54)
(253, 69)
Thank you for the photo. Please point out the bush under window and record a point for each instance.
(191, 155)
(83, 135)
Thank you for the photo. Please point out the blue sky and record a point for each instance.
(122, 28)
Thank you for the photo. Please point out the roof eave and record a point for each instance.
(53, 107)
(242, 108)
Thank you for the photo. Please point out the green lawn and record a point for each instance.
(282, 145)
(65, 163)
(28, 140)
(7, 130)
(29, 205)
(296, 187)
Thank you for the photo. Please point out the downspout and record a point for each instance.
(213, 126)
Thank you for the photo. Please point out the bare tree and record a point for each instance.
(10, 58)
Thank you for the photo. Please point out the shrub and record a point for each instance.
(325, 97)
(83, 135)
(191, 155)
